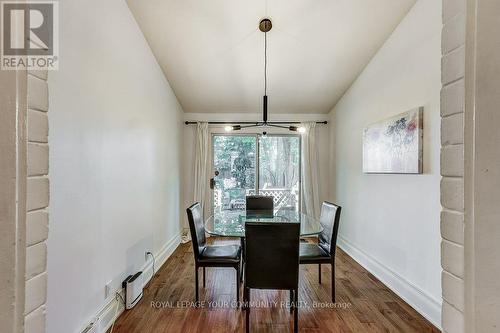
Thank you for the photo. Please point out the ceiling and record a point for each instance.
(212, 52)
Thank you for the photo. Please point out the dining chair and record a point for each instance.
(259, 205)
(211, 255)
(272, 261)
(324, 251)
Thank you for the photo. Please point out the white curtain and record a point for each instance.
(200, 170)
(309, 165)
(201, 164)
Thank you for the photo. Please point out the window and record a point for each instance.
(256, 164)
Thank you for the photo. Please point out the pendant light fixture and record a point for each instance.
(265, 25)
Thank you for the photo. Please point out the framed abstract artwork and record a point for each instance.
(394, 145)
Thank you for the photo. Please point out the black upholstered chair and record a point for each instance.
(259, 205)
(211, 255)
(272, 261)
(324, 251)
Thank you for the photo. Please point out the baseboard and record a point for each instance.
(160, 257)
(422, 302)
(112, 310)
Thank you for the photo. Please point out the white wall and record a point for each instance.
(323, 132)
(114, 161)
(390, 223)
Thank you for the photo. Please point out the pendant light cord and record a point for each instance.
(265, 64)
(265, 54)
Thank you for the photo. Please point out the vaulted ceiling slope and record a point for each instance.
(212, 52)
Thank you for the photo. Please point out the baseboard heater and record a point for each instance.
(133, 286)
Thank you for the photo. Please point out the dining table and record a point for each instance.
(231, 223)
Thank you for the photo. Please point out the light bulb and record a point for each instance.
(228, 128)
(301, 129)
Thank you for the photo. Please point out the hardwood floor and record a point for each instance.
(364, 304)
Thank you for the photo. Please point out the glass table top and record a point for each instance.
(232, 223)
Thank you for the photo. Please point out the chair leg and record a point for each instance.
(242, 244)
(238, 286)
(203, 277)
(245, 298)
(241, 271)
(319, 273)
(296, 311)
(196, 283)
(333, 282)
(247, 315)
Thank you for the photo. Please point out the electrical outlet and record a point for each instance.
(107, 289)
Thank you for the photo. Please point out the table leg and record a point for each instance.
(242, 242)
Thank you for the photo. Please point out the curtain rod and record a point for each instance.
(252, 122)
